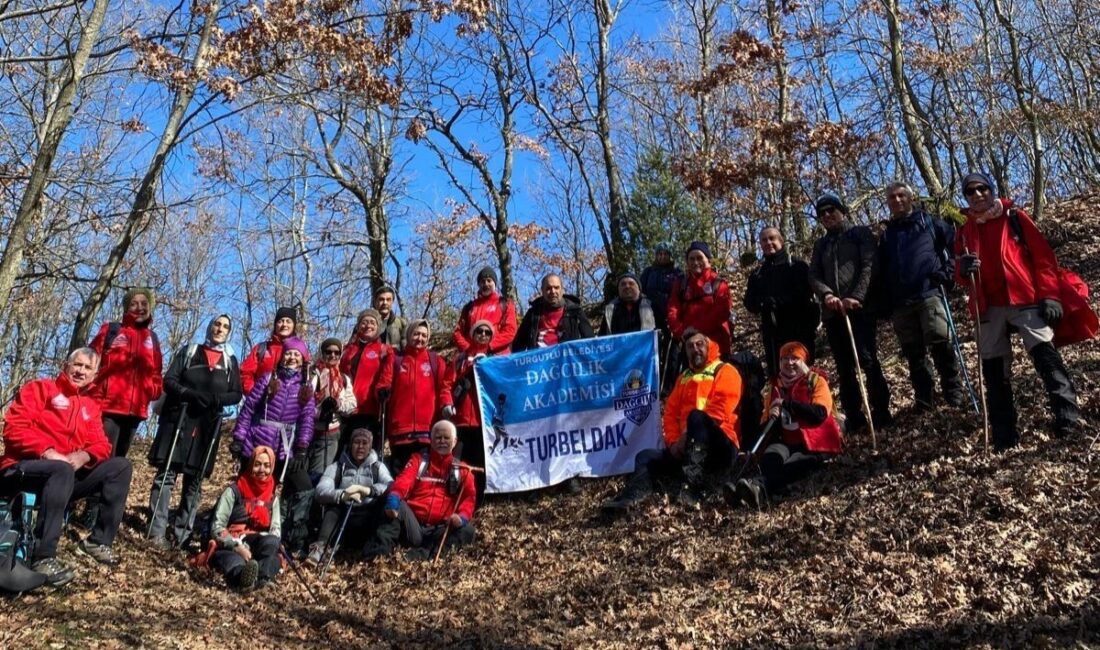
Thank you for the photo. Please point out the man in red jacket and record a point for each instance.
(433, 492)
(54, 445)
(490, 306)
(1018, 289)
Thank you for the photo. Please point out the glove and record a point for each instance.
(383, 394)
(199, 398)
(1051, 311)
(969, 264)
(299, 462)
(449, 411)
(236, 448)
(328, 404)
(350, 497)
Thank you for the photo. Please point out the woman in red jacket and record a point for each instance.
(460, 398)
(365, 356)
(263, 357)
(802, 407)
(412, 387)
(130, 369)
(701, 300)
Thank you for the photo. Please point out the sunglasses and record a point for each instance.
(483, 332)
(975, 189)
(332, 353)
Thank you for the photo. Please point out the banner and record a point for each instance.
(583, 408)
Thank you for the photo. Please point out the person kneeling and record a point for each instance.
(433, 493)
(701, 429)
(800, 401)
(246, 525)
(357, 480)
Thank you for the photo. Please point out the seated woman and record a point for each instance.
(358, 480)
(800, 401)
(278, 413)
(246, 526)
(432, 493)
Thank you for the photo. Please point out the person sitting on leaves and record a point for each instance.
(357, 481)
(279, 413)
(802, 407)
(335, 398)
(701, 429)
(246, 525)
(433, 493)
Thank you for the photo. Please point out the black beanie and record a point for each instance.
(286, 312)
(699, 246)
(830, 200)
(487, 272)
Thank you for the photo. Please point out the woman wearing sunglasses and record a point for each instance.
(460, 402)
(335, 400)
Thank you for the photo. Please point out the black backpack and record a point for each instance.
(751, 408)
(17, 516)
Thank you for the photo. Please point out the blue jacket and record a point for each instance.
(914, 258)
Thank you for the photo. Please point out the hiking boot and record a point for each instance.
(956, 399)
(752, 493)
(316, 553)
(418, 554)
(161, 544)
(687, 498)
(730, 495)
(572, 487)
(57, 574)
(249, 573)
(99, 552)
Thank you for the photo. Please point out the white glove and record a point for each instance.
(448, 411)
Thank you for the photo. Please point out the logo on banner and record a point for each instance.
(503, 441)
(636, 399)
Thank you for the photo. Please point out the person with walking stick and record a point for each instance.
(350, 491)
(841, 269)
(201, 379)
(807, 431)
(1013, 276)
(434, 492)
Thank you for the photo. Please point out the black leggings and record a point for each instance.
(265, 550)
(120, 431)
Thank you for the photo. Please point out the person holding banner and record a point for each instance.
(554, 317)
(701, 429)
(630, 311)
(411, 388)
(460, 399)
(801, 405)
(433, 493)
(701, 300)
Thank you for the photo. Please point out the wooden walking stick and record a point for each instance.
(975, 282)
(458, 500)
(859, 379)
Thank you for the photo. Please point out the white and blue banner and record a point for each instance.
(583, 408)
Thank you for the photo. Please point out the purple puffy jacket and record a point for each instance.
(257, 423)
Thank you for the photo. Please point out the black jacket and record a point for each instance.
(198, 430)
(574, 324)
(914, 259)
(843, 264)
(779, 292)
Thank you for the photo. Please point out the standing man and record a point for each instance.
(779, 292)
(656, 282)
(1018, 289)
(393, 326)
(916, 264)
(840, 274)
(54, 445)
(554, 317)
(630, 311)
(701, 300)
(489, 305)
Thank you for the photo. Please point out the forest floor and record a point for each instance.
(928, 543)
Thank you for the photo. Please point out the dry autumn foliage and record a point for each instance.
(931, 543)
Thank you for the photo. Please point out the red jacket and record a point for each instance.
(364, 366)
(427, 494)
(818, 438)
(468, 408)
(495, 309)
(261, 361)
(53, 414)
(1011, 275)
(701, 302)
(130, 371)
(415, 381)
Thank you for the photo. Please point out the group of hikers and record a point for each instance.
(311, 435)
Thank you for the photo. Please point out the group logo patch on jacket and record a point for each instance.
(84, 413)
(426, 369)
(122, 342)
(708, 288)
(372, 355)
(149, 342)
(60, 402)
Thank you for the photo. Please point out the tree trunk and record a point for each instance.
(620, 257)
(146, 193)
(56, 123)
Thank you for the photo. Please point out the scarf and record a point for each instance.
(994, 211)
(789, 375)
(330, 381)
(256, 494)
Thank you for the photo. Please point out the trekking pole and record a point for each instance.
(167, 468)
(285, 439)
(294, 566)
(202, 472)
(756, 446)
(859, 380)
(954, 332)
(447, 526)
(336, 544)
(975, 281)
